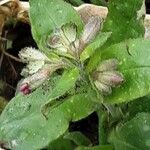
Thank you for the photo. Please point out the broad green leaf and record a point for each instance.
(133, 135)
(45, 16)
(75, 2)
(134, 58)
(139, 105)
(23, 123)
(66, 82)
(99, 2)
(78, 138)
(105, 147)
(124, 20)
(63, 86)
(97, 43)
(61, 144)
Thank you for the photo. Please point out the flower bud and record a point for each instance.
(34, 58)
(32, 82)
(107, 65)
(105, 89)
(111, 78)
(25, 89)
(90, 30)
(70, 31)
(31, 54)
(62, 38)
(105, 77)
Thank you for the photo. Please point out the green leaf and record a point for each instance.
(134, 58)
(133, 135)
(75, 2)
(124, 20)
(61, 144)
(105, 147)
(45, 16)
(66, 82)
(23, 123)
(63, 86)
(99, 2)
(139, 105)
(97, 43)
(78, 138)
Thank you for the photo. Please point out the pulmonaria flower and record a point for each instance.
(64, 40)
(39, 68)
(30, 83)
(34, 59)
(106, 76)
(90, 31)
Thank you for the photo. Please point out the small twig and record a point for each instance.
(14, 71)
(1, 59)
(12, 57)
(10, 86)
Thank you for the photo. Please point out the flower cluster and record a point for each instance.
(106, 76)
(64, 40)
(38, 69)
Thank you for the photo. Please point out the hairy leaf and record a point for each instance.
(123, 20)
(78, 138)
(134, 64)
(92, 47)
(133, 135)
(23, 123)
(100, 147)
(139, 105)
(61, 143)
(50, 15)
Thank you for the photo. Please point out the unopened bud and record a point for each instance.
(25, 88)
(34, 81)
(70, 31)
(54, 41)
(105, 89)
(31, 54)
(107, 65)
(62, 38)
(90, 30)
(105, 77)
(111, 78)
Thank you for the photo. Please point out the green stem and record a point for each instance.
(102, 119)
(115, 112)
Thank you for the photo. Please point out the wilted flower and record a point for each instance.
(32, 82)
(34, 58)
(64, 40)
(90, 31)
(39, 68)
(105, 77)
